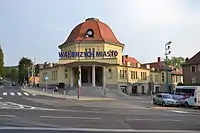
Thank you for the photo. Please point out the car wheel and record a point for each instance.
(186, 104)
(154, 101)
(163, 104)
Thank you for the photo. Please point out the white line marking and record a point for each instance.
(12, 93)
(69, 117)
(7, 115)
(179, 111)
(33, 94)
(5, 93)
(98, 130)
(19, 93)
(21, 106)
(25, 93)
(153, 120)
(1, 98)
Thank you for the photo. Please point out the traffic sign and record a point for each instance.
(46, 78)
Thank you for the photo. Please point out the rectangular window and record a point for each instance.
(66, 73)
(136, 75)
(163, 77)
(86, 50)
(141, 75)
(93, 50)
(145, 76)
(132, 74)
(193, 68)
(125, 74)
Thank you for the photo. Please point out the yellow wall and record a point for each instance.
(52, 75)
(131, 77)
(113, 77)
(97, 47)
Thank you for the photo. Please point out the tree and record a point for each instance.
(23, 69)
(176, 61)
(2, 74)
(37, 69)
(14, 74)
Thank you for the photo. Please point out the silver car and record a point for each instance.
(165, 99)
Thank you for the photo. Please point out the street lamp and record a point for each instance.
(167, 52)
(88, 34)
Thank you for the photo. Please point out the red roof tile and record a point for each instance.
(102, 32)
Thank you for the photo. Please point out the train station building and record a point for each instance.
(93, 50)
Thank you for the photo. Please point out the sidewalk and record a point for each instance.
(50, 93)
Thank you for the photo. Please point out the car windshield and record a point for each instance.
(167, 97)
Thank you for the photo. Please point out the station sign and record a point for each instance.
(110, 53)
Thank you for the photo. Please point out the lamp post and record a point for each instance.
(167, 52)
(88, 34)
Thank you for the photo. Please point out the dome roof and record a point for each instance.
(102, 32)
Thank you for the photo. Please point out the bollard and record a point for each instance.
(43, 89)
(64, 93)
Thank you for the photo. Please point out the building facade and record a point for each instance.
(92, 52)
(191, 70)
(175, 76)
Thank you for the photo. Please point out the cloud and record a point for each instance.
(153, 12)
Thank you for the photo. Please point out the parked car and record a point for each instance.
(165, 99)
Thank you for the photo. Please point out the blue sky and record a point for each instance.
(34, 28)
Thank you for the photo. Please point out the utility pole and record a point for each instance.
(33, 71)
(167, 52)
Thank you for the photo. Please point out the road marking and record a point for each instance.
(33, 94)
(25, 93)
(7, 115)
(5, 93)
(19, 93)
(179, 111)
(153, 120)
(21, 106)
(12, 93)
(97, 130)
(69, 117)
(1, 98)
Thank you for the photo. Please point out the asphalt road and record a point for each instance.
(33, 113)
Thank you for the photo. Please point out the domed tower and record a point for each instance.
(91, 36)
(100, 32)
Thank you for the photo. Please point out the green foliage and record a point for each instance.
(176, 61)
(14, 74)
(23, 69)
(11, 73)
(2, 73)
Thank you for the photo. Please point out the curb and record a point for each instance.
(96, 99)
(65, 97)
(167, 108)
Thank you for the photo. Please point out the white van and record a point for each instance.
(188, 95)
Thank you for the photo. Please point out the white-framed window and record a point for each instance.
(66, 73)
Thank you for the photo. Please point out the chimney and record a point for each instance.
(158, 59)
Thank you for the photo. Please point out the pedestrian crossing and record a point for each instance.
(17, 94)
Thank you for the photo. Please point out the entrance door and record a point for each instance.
(99, 76)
